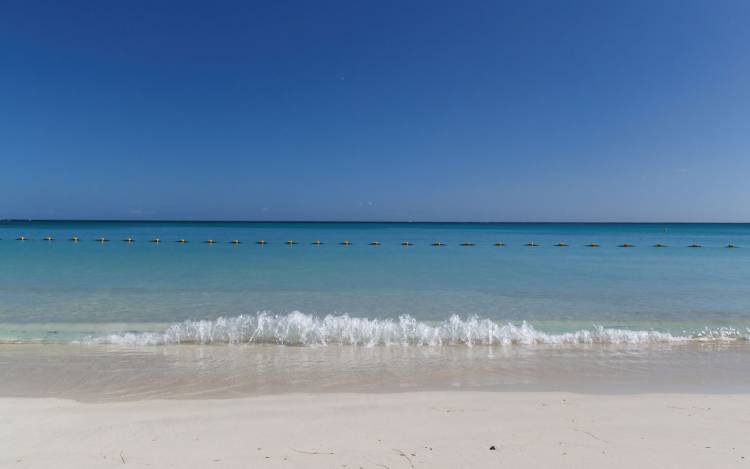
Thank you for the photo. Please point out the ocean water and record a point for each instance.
(146, 294)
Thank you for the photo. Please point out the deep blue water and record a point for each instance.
(63, 289)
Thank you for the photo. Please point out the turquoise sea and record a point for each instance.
(144, 293)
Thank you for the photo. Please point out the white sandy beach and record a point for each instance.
(405, 430)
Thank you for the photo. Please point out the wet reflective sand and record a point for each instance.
(103, 373)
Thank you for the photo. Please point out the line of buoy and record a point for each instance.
(318, 242)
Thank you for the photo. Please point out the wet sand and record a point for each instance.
(104, 373)
(73, 406)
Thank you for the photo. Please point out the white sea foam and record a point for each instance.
(303, 329)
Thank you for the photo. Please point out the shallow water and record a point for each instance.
(103, 373)
(115, 320)
(62, 291)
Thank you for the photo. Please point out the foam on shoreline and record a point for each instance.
(301, 329)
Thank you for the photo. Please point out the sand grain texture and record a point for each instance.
(406, 430)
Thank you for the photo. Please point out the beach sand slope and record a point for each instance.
(405, 430)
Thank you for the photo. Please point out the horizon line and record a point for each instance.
(177, 220)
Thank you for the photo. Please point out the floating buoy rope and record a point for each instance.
(317, 242)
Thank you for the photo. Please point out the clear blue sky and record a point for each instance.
(376, 110)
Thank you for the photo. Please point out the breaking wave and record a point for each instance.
(308, 330)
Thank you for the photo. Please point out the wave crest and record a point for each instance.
(308, 330)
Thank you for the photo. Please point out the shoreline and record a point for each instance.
(441, 429)
(183, 372)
